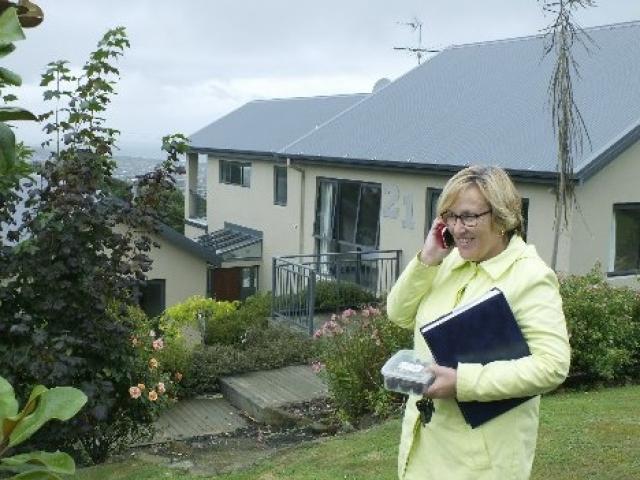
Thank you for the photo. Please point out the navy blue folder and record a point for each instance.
(483, 331)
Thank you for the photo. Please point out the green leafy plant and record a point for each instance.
(262, 348)
(11, 168)
(604, 327)
(60, 403)
(334, 296)
(230, 327)
(352, 348)
(195, 311)
(13, 164)
(94, 249)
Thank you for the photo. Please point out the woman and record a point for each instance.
(482, 210)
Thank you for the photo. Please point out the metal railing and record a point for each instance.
(304, 284)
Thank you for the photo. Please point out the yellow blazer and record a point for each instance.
(504, 447)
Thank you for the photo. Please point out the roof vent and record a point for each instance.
(383, 82)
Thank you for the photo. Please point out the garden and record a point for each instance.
(85, 373)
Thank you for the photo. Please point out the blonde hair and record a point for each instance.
(497, 189)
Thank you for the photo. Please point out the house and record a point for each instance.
(363, 172)
(181, 267)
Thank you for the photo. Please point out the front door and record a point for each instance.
(227, 283)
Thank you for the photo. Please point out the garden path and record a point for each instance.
(264, 396)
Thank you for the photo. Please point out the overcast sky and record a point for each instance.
(193, 61)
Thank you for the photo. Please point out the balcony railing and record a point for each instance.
(306, 285)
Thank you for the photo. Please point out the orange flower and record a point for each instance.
(153, 396)
(141, 386)
(153, 363)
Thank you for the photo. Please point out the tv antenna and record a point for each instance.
(418, 51)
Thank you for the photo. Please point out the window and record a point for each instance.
(279, 185)
(152, 297)
(525, 217)
(627, 238)
(347, 216)
(235, 173)
(433, 195)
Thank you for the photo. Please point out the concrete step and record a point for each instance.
(265, 395)
(197, 417)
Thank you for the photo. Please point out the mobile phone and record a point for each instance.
(445, 239)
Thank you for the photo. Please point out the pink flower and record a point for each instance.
(348, 313)
(317, 366)
(141, 386)
(135, 392)
(365, 312)
(160, 387)
(317, 333)
(374, 311)
(334, 317)
(158, 344)
(153, 396)
(177, 376)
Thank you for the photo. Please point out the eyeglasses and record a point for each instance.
(468, 219)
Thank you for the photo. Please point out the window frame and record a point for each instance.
(334, 238)
(225, 173)
(157, 282)
(634, 206)
(430, 213)
(277, 200)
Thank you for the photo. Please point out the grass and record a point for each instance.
(583, 435)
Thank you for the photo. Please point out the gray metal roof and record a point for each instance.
(488, 103)
(230, 238)
(186, 244)
(270, 125)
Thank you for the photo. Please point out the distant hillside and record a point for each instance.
(129, 167)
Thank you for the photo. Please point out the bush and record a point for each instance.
(262, 348)
(334, 296)
(353, 348)
(190, 312)
(604, 328)
(228, 327)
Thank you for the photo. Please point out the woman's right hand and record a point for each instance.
(432, 251)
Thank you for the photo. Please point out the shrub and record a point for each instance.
(353, 347)
(604, 327)
(332, 296)
(190, 312)
(262, 348)
(228, 327)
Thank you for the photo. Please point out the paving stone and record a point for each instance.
(197, 417)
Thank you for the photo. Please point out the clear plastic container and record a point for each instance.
(404, 373)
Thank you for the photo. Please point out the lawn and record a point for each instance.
(590, 435)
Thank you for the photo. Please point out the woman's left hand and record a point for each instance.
(444, 385)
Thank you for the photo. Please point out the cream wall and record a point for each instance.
(253, 207)
(184, 274)
(592, 233)
(403, 208)
(288, 229)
